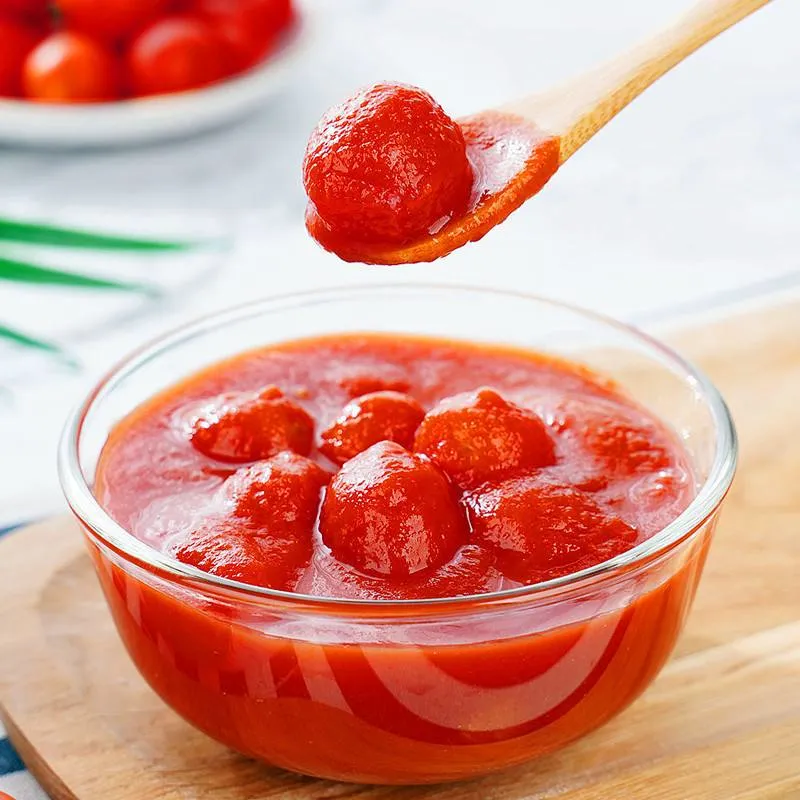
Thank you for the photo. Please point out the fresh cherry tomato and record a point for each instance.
(480, 435)
(250, 28)
(274, 15)
(367, 420)
(26, 10)
(391, 513)
(176, 54)
(17, 40)
(68, 67)
(111, 20)
(249, 426)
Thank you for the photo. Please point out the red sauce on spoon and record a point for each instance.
(392, 179)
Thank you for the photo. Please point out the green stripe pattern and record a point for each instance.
(24, 233)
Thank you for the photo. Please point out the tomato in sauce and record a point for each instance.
(392, 179)
(499, 468)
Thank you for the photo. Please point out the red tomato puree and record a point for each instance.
(388, 468)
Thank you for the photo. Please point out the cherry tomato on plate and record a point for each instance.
(175, 54)
(110, 20)
(68, 67)
(27, 10)
(17, 40)
(250, 28)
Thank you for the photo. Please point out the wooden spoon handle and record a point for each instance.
(576, 110)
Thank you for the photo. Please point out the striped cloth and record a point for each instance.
(15, 780)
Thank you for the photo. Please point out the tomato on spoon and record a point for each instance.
(367, 163)
(391, 178)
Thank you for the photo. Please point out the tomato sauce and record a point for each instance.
(387, 694)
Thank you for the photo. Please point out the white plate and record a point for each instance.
(150, 119)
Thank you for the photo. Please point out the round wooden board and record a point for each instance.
(722, 722)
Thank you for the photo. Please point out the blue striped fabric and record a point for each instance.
(9, 760)
(14, 779)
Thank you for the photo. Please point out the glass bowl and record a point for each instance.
(415, 691)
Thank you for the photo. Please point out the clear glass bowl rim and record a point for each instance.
(88, 510)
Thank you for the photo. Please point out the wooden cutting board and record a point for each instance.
(722, 722)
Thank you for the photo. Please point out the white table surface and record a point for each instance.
(689, 197)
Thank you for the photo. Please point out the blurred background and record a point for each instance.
(686, 203)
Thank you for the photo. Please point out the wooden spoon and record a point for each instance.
(516, 149)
